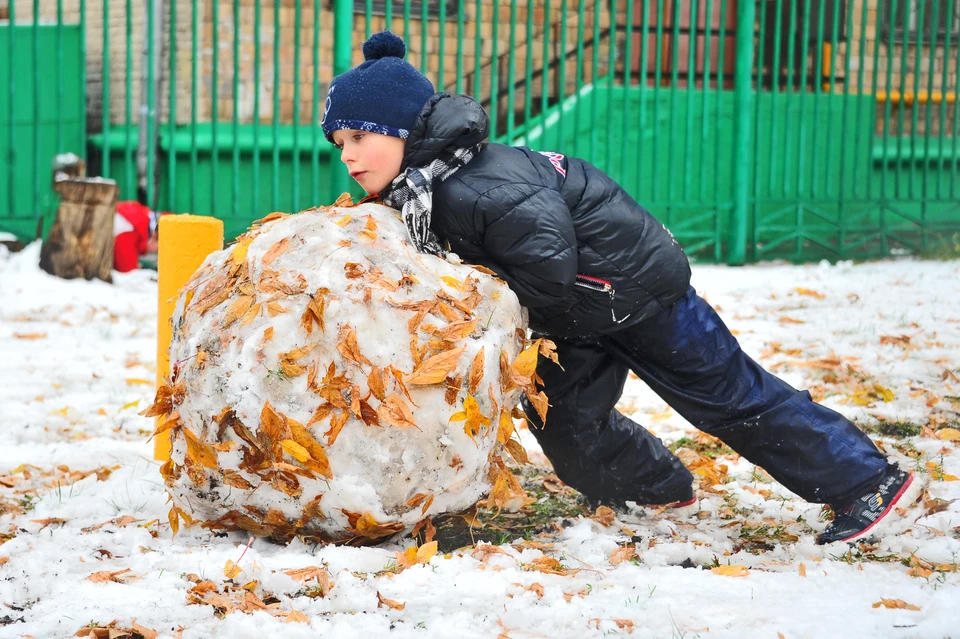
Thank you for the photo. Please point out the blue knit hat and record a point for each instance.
(384, 94)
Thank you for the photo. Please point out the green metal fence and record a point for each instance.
(803, 129)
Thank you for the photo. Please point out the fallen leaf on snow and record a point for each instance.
(895, 604)
(730, 571)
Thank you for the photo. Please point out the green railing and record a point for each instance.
(803, 129)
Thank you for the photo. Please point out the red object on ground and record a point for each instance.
(130, 245)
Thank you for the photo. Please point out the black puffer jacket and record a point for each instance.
(577, 250)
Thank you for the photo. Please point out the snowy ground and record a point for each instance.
(84, 538)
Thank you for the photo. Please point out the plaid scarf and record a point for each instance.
(412, 193)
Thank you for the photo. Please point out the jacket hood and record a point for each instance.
(445, 121)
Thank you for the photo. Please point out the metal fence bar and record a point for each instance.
(511, 70)
(926, 129)
(918, 67)
(905, 52)
(424, 16)
(82, 107)
(171, 104)
(235, 111)
(801, 138)
(297, 14)
(12, 91)
(581, 15)
(954, 160)
(151, 107)
(35, 169)
(886, 108)
(611, 74)
(817, 92)
(761, 42)
(527, 68)
(442, 43)
(943, 103)
(842, 184)
(215, 108)
(105, 92)
(477, 48)
(594, 78)
(60, 90)
(691, 85)
(674, 81)
(861, 48)
(460, 38)
(788, 98)
(255, 160)
(642, 86)
(315, 104)
(193, 108)
(275, 149)
(743, 94)
(128, 108)
(342, 53)
(627, 120)
(657, 80)
(708, 25)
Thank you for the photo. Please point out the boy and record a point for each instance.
(609, 284)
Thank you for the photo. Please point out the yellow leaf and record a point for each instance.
(949, 434)
(239, 253)
(297, 617)
(730, 571)
(343, 221)
(317, 460)
(884, 393)
(526, 363)
(133, 381)
(231, 570)
(295, 450)
(811, 293)
(130, 404)
(426, 552)
(452, 282)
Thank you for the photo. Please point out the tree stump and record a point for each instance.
(80, 243)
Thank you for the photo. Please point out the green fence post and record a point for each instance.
(342, 52)
(742, 95)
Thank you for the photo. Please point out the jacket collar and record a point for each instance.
(446, 122)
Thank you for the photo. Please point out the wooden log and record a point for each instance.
(80, 243)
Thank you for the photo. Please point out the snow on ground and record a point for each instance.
(84, 538)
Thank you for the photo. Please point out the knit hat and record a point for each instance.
(384, 94)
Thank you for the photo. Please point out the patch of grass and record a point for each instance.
(547, 511)
(898, 429)
(711, 448)
(942, 247)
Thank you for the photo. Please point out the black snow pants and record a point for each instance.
(690, 359)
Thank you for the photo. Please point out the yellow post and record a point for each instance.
(185, 241)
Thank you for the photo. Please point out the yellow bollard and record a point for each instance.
(185, 241)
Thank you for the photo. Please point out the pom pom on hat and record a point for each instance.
(384, 45)
(384, 94)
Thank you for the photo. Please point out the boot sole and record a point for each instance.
(908, 494)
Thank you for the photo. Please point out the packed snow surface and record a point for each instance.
(85, 538)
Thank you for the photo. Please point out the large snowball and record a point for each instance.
(331, 382)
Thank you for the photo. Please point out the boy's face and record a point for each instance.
(373, 159)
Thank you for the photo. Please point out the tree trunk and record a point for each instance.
(80, 244)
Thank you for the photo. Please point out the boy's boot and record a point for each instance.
(871, 512)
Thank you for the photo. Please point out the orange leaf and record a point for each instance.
(389, 603)
(275, 250)
(435, 369)
(476, 373)
(395, 412)
(895, 604)
(349, 348)
(730, 571)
